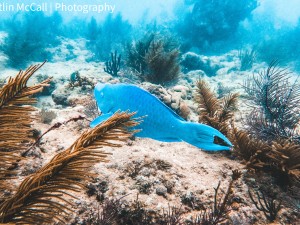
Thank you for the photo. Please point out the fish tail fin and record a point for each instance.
(204, 137)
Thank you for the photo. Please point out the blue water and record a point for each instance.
(31, 28)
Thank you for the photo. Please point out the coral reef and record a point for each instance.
(155, 171)
(51, 169)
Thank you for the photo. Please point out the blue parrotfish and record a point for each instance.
(159, 121)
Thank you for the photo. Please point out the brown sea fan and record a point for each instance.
(213, 111)
(43, 196)
(253, 151)
(16, 118)
(208, 103)
(15, 110)
(286, 158)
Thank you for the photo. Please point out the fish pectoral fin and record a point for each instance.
(100, 119)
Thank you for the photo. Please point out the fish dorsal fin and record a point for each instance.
(157, 99)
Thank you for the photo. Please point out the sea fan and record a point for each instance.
(276, 103)
(154, 59)
(213, 111)
(281, 158)
(16, 118)
(250, 149)
(286, 158)
(43, 197)
(163, 65)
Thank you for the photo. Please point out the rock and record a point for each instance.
(161, 190)
(235, 206)
(143, 184)
(182, 89)
(184, 110)
(106, 79)
(192, 61)
(167, 99)
(145, 172)
(174, 106)
(169, 185)
(60, 96)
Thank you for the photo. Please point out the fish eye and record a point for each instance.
(101, 94)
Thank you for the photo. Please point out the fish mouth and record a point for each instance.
(221, 142)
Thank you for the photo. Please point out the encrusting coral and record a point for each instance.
(43, 196)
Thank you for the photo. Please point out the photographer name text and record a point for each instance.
(58, 6)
